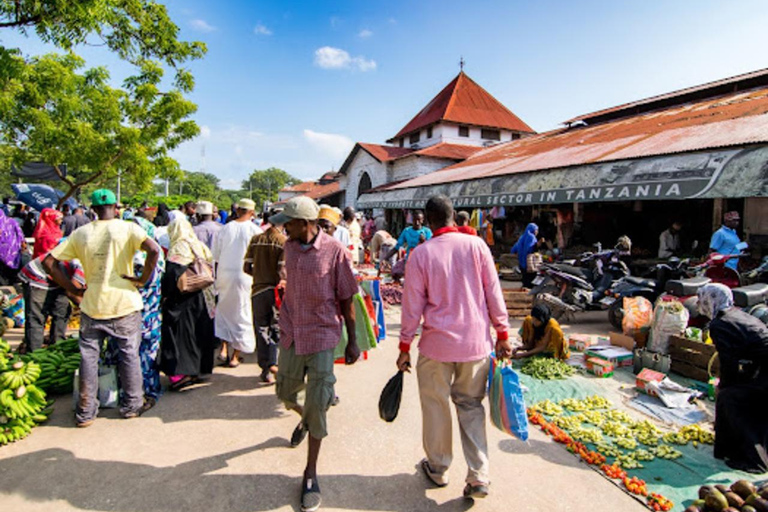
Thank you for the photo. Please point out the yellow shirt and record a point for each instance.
(105, 248)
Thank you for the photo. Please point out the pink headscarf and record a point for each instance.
(47, 232)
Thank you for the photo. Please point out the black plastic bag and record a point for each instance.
(389, 401)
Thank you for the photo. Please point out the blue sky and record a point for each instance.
(293, 84)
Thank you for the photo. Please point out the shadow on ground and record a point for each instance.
(120, 486)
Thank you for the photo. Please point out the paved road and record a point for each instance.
(223, 445)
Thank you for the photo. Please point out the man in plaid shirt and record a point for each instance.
(318, 296)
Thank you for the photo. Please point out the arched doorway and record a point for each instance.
(364, 185)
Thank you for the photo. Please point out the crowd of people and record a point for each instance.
(174, 292)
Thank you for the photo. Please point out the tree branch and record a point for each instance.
(21, 22)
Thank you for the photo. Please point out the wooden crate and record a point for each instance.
(518, 302)
(691, 358)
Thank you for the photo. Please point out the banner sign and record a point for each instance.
(669, 177)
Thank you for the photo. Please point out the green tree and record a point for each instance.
(50, 111)
(262, 185)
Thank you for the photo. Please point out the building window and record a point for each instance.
(402, 142)
(364, 185)
(413, 139)
(463, 131)
(515, 136)
(429, 132)
(490, 134)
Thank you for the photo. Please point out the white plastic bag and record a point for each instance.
(108, 391)
(670, 318)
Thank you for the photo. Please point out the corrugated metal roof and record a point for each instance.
(740, 82)
(464, 101)
(729, 120)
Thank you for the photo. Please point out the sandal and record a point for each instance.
(185, 381)
(310, 495)
(234, 362)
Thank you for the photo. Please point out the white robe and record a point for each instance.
(234, 317)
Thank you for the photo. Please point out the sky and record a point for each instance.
(294, 84)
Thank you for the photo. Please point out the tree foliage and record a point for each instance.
(265, 184)
(51, 111)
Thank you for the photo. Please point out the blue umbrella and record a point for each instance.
(40, 196)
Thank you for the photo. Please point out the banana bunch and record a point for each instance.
(19, 375)
(58, 364)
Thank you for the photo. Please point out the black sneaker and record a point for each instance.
(475, 492)
(310, 495)
(299, 433)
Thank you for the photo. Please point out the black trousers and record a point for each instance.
(266, 328)
(39, 304)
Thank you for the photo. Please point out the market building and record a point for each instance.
(326, 190)
(457, 123)
(688, 155)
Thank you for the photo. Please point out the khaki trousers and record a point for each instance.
(464, 384)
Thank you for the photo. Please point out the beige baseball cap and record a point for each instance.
(204, 208)
(301, 207)
(246, 204)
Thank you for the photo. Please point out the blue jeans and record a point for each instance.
(126, 332)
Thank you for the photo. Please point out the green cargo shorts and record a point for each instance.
(317, 369)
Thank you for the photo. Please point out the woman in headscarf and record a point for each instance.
(150, 329)
(187, 329)
(162, 219)
(541, 334)
(48, 232)
(525, 245)
(11, 241)
(741, 415)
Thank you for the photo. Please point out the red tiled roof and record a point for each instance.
(464, 101)
(384, 153)
(317, 191)
(305, 186)
(729, 120)
(446, 150)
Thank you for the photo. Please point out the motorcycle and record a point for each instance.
(567, 289)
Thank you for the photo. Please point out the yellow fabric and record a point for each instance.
(106, 248)
(184, 243)
(553, 334)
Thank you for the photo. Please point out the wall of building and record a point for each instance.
(449, 132)
(413, 166)
(363, 162)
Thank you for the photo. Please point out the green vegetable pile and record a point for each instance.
(546, 368)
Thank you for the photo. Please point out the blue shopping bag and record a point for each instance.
(505, 395)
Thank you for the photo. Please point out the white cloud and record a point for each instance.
(334, 145)
(329, 57)
(261, 30)
(365, 33)
(202, 26)
(205, 132)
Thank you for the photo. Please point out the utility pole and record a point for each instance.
(119, 183)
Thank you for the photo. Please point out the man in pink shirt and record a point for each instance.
(452, 284)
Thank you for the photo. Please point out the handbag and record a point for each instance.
(198, 275)
(643, 358)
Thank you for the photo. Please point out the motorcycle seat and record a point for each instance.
(581, 272)
(748, 296)
(685, 287)
(639, 281)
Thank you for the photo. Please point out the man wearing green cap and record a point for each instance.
(111, 305)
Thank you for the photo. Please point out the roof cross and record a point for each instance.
(461, 63)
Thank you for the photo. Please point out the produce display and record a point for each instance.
(392, 294)
(58, 363)
(546, 368)
(22, 404)
(599, 456)
(741, 496)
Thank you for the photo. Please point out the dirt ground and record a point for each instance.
(223, 445)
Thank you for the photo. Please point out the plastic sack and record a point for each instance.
(638, 315)
(108, 389)
(669, 319)
(389, 401)
(506, 398)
